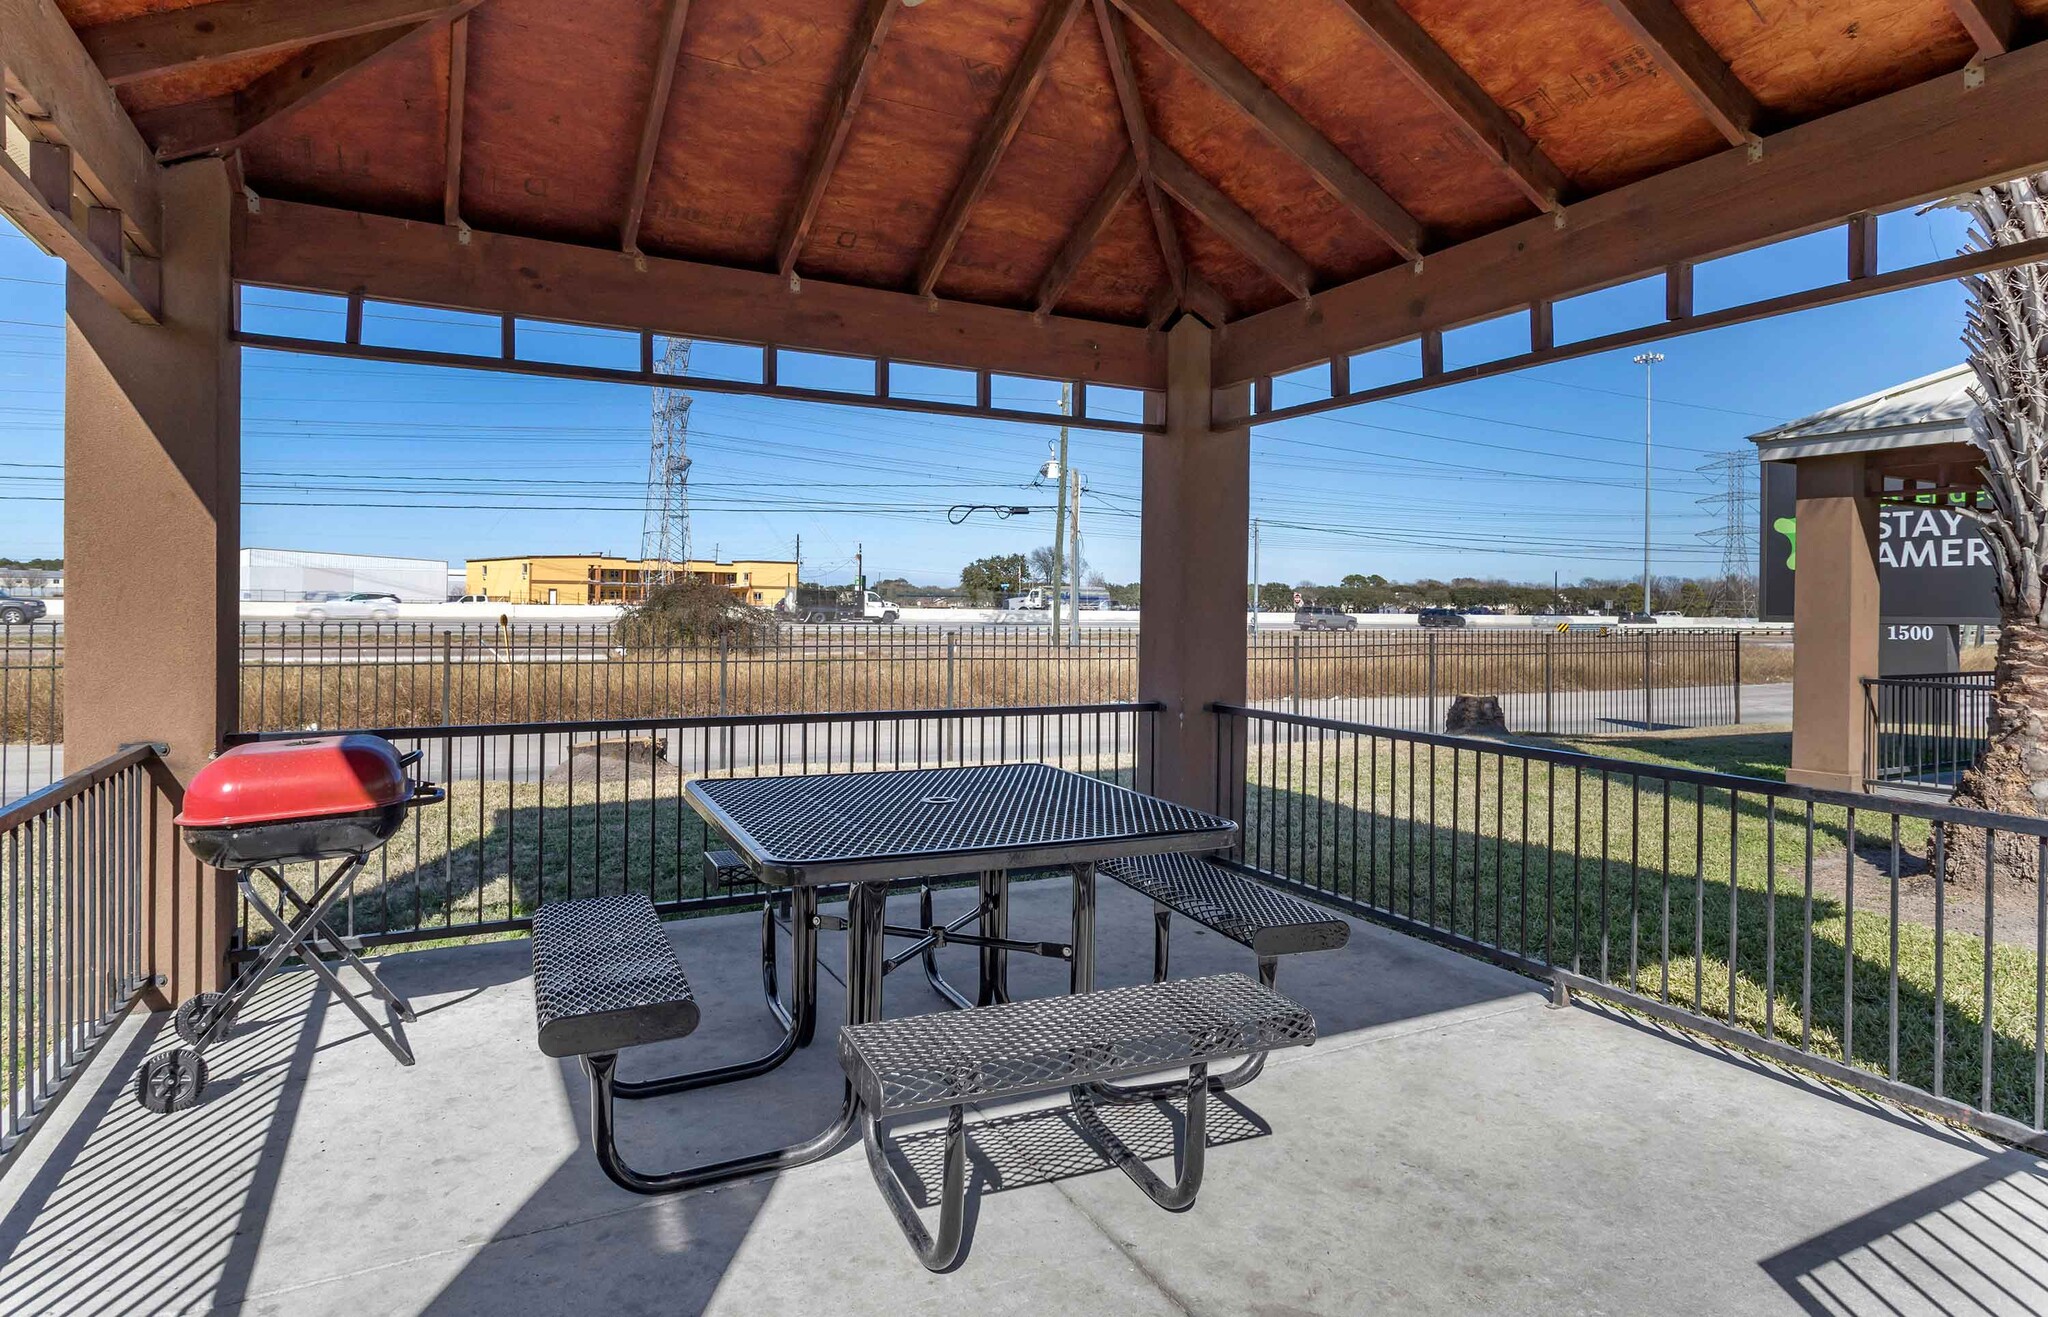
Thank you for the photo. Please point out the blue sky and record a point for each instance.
(1518, 476)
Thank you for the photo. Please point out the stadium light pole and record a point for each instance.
(1648, 361)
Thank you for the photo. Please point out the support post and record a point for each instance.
(1197, 504)
(1835, 622)
(152, 533)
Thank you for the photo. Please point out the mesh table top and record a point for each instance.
(924, 822)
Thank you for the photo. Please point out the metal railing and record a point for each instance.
(1925, 731)
(1897, 946)
(31, 706)
(548, 811)
(1551, 682)
(74, 861)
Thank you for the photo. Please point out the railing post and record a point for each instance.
(1646, 681)
(1297, 672)
(447, 673)
(1737, 676)
(724, 673)
(1429, 722)
(1549, 682)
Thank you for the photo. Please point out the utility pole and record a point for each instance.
(1648, 361)
(1251, 616)
(1074, 557)
(1059, 519)
(860, 569)
(799, 561)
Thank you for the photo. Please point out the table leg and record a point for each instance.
(1082, 978)
(995, 922)
(865, 915)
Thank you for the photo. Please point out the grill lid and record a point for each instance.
(304, 778)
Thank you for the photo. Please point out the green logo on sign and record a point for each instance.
(1789, 528)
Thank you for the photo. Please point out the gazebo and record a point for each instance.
(1165, 205)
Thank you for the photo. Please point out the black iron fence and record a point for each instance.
(1898, 946)
(31, 707)
(1925, 731)
(1569, 682)
(73, 893)
(546, 811)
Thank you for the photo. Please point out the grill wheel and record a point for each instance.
(171, 1081)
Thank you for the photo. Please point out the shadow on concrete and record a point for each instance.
(1974, 1241)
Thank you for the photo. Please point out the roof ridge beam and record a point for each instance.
(848, 89)
(1208, 59)
(1116, 48)
(1460, 97)
(130, 49)
(650, 125)
(1695, 66)
(996, 135)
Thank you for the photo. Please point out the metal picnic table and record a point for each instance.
(867, 829)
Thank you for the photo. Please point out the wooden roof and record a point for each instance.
(1105, 159)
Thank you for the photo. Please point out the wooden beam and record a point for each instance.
(1205, 57)
(1862, 246)
(1678, 291)
(1116, 46)
(458, 96)
(1990, 23)
(317, 249)
(996, 135)
(847, 90)
(650, 125)
(1202, 299)
(39, 200)
(1459, 96)
(1113, 195)
(147, 45)
(54, 86)
(1695, 66)
(1936, 272)
(1432, 344)
(1542, 326)
(1231, 221)
(1935, 140)
(221, 123)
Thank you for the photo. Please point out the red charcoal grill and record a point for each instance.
(255, 809)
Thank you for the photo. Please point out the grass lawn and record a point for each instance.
(1649, 885)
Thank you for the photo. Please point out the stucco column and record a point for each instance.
(1197, 502)
(152, 525)
(1835, 622)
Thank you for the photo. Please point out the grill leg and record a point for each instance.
(298, 937)
(1189, 1158)
(799, 1018)
(936, 1252)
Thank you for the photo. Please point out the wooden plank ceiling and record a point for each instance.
(1107, 159)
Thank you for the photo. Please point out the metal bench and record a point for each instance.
(990, 1053)
(605, 978)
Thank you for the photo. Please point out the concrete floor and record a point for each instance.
(1450, 1145)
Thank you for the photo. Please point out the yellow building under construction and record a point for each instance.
(589, 578)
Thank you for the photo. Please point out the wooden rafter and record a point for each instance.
(1116, 48)
(458, 93)
(996, 136)
(223, 122)
(1936, 139)
(1460, 97)
(650, 125)
(1114, 193)
(1990, 23)
(40, 201)
(1695, 66)
(1202, 299)
(150, 44)
(1208, 59)
(1230, 220)
(847, 91)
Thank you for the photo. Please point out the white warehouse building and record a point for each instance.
(290, 575)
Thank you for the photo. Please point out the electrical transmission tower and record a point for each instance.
(665, 532)
(1734, 480)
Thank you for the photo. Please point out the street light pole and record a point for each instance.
(1648, 361)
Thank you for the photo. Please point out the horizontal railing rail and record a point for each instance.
(1925, 731)
(1898, 945)
(74, 898)
(546, 811)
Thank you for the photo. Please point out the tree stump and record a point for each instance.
(1476, 715)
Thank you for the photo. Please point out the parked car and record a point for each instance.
(373, 608)
(14, 612)
(469, 599)
(1639, 619)
(1440, 617)
(1322, 617)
